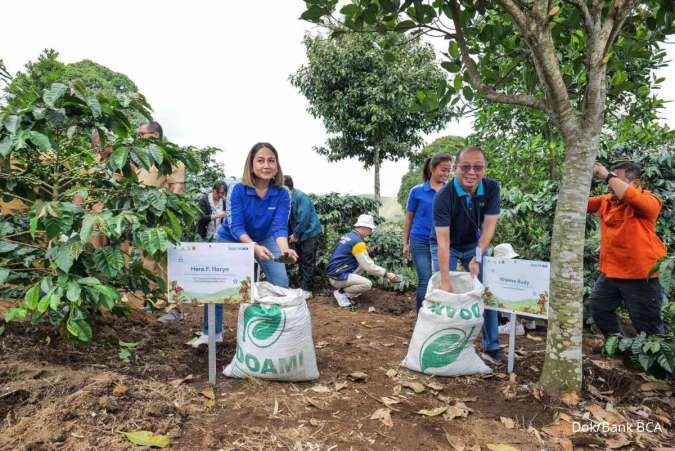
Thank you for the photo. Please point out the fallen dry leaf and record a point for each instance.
(384, 415)
(391, 372)
(321, 344)
(208, 393)
(433, 412)
(389, 401)
(537, 391)
(177, 382)
(315, 403)
(561, 429)
(434, 385)
(120, 389)
(507, 422)
(605, 415)
(358, 376)
(397, 390)
(414, 386)
(358, 337)
(320, 389)
(566, 444)
(618, 442)
(210, 400)
(340, 385)
(147, 438)
(656, 386)
(501, 447)
(535, 432)
(569, 398)
(456, 443)
(314, 422)
(458, 410)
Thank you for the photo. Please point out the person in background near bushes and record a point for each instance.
(257, 212)
(465, 216)
(418, 223)
(175, 182)
(213, 211)
(349, 258)
(305, 230)
(629, 249)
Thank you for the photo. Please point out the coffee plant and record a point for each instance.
(81, 224)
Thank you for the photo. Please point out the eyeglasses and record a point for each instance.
(467, 167)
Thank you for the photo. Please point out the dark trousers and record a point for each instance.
(642, 298)
(306, 250)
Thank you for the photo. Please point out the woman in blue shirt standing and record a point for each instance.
(418, 222)
(257, 212)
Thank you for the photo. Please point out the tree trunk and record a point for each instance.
(562, 370)
(376, 166)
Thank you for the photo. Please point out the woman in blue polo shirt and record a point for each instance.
(257, 212)
(419, 219)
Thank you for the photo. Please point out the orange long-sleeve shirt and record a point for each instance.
(629, 246)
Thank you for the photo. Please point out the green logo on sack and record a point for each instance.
(443, 347)
(263, 325)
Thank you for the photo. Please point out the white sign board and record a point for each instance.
(206, 273)
(516, 286)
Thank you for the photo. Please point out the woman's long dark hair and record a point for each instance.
(431, 163)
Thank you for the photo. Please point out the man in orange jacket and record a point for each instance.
(629, 248)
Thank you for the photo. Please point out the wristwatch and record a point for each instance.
(609, 176)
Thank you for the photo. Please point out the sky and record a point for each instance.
(216, 73)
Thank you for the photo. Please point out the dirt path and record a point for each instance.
(57, 396)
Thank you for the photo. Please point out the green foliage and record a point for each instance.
(653, 354)
(504, 60)
(666, 269)
(68, 259)
(444, 145)
(385, 246)
(210, 171)
(338, 214)
(126, 350)
(366, 96)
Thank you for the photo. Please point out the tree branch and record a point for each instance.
(514, 11)
(587, 20)
(615, 19)
(602, 40)
(475, 79)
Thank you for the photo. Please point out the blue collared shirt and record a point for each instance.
(259, 218)
(465, 221)
(420, 201)
(461, 193)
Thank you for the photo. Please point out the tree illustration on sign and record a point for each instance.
(245, 289)
(543, 300)
(176, 292)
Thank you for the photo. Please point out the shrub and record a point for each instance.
(338, 214)
(46, 250)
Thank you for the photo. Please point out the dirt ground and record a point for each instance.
(56, 395)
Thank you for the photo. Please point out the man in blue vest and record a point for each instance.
(349, 258)
(465, 215)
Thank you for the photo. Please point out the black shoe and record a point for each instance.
(496, 357)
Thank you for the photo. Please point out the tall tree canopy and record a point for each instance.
(561, 58)
(363, 87)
